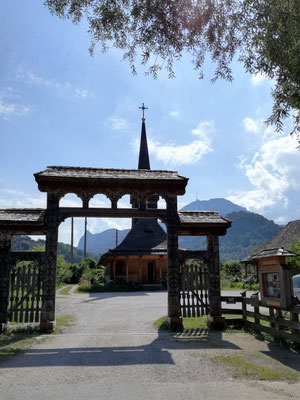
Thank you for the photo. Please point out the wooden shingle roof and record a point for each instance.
(145, 237)
(76, 173)
(22, 221)
(67, 179)
(203, 223)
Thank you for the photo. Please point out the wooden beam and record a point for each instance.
(17, 256)
(67, 212)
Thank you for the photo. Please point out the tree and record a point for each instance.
(232, 269)
(271, 46)
(264, 34)
(295, 248)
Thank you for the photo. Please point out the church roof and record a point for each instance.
(144, 162)
(145, 237)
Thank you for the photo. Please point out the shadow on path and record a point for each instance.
(156, 352)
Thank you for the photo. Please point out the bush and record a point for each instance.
(232, 270)
(72, 273)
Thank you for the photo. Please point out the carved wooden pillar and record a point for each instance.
(173, 222)
(215, 319)
(5, 265)
(49, 274)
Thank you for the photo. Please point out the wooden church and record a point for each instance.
(142, 255)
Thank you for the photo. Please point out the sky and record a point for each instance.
(60, 106)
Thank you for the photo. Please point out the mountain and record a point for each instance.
(26, 243)
(248, 231)
(222, 205)
(100, 243)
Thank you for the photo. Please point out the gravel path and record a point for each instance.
(114, 352)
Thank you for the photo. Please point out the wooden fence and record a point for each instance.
(194, 291)
(282, 324)
(25, 294)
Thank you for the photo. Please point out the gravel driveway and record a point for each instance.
(114, 352)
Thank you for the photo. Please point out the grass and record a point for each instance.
(14, 343)
(226, 285)
(248, 369)
(188, 323)
(18, 340)
(64, 321)
(65, 290)
(108, 287)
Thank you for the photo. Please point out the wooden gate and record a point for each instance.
(194, 291)
(25, 293)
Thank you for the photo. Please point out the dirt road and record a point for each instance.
(114, 352)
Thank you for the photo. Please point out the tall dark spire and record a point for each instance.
(144, 162)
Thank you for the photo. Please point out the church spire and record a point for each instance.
(144, 162)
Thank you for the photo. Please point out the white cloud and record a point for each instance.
(9, 110)
(174, 113)
(252, 125)
(11, 198)
(174, 155)
(81, 93)
(274, 173)
(118, 123)
(8, 107)
(257, 79)
(64, 89)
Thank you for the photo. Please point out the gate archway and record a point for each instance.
(86, 183)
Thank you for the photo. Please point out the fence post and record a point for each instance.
(255, 303)
(244, 306)
(272, 315)
(5, 246)
(294, 317)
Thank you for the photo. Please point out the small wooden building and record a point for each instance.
(142, 255)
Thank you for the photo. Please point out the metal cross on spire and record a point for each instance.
(143, 108)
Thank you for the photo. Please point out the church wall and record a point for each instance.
(137, 268)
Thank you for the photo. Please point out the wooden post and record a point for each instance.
(244, 306)
(49, 268)
(215, 319)
(85, 232)
(72, 240)
(114, 270)
(294, 317)
(173, 222)
(5, 266)
(255, 303)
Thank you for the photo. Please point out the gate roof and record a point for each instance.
(99, 180)
(203, 223)
(22, 221)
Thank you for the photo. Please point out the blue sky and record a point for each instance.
(59, 106)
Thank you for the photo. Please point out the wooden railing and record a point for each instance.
(282, 324)
(25, 294)
(194, 291)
